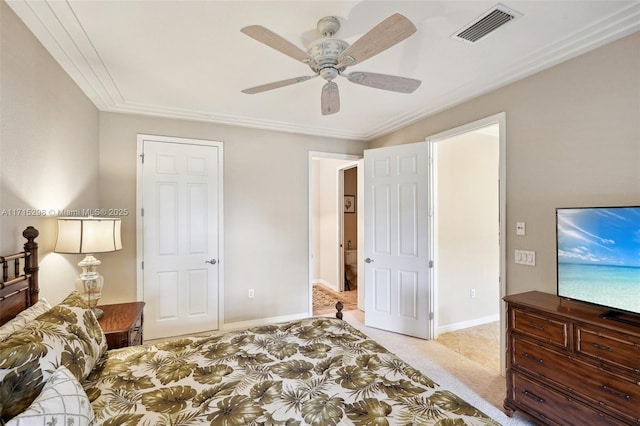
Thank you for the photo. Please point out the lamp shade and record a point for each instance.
(83, 235)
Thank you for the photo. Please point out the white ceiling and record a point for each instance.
(188, 59)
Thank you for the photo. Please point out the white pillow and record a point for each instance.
(24, 318)
(62, 401)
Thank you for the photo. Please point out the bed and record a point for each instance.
(55, 369)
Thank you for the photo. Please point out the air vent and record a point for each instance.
(490, 21)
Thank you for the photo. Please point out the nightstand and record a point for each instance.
(122, 324)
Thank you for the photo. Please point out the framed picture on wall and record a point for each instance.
(349, 203)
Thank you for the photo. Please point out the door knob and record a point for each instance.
(368, 260)
(212, 261)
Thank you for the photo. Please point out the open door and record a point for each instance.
(397, 240)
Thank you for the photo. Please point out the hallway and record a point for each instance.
(325, 299)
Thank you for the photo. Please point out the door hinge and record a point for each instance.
(142, 211)
(142, 157)
(431, 264)
(430, 315)
(142, 265)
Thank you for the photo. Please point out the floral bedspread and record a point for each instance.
(316, 371)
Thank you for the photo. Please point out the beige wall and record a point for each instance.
(327, 255)
(573, 139)
(350, 222)
(266, 217)
(48, 125)
(467, 249)
(85, 159)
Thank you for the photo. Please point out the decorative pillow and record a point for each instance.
(61, 402)
(68, 334)
(24, 318)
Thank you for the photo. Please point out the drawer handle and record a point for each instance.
(536, 326)
(616, 393)
(534, 397)
(601, 347)
(526, 355)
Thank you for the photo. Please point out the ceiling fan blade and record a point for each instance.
(274, 41)
(384, 81)
(387, 33)
(277, 84)
(330, 100)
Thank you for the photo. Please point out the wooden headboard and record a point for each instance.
(19, 286)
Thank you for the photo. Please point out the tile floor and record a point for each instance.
(480, 344)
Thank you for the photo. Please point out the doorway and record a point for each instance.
(469, 173)
(497, 229)
(332, 190)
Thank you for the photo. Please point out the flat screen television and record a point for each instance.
(598, 258)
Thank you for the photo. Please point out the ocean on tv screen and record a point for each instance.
(599, 256)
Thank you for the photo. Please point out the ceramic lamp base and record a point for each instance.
(99, 313)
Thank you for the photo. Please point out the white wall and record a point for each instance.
(468, 230)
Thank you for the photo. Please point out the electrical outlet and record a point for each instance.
(250, 294)
(473, 293)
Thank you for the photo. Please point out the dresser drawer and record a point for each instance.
(585, 381)
(117, 340)
(122, 324)
(547, 329)
(537, 360)
(136, 340)
(553, 407)
(135, 335)
(609, 347)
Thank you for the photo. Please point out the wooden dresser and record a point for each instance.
(122, 324)
(568, 366)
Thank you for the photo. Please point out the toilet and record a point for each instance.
(351, 269)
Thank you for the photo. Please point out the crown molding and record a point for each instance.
(616, 26)
(230, 120)
(56, 26)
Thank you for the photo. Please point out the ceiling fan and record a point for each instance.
(328, 57)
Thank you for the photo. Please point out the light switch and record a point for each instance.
(520, 228)
(525, 257)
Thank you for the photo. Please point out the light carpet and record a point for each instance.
(474, 383)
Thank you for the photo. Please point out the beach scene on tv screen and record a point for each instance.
(599, 256)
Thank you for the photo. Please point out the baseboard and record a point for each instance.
(254, 323)
(467, 324)
(327, 284)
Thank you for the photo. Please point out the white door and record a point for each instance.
(181, 222)
(397, 239)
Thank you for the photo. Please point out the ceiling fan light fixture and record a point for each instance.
(325, 51)
(329, 73)
(328, 26)
(328, 57)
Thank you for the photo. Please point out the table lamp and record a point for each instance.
(89, 235)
